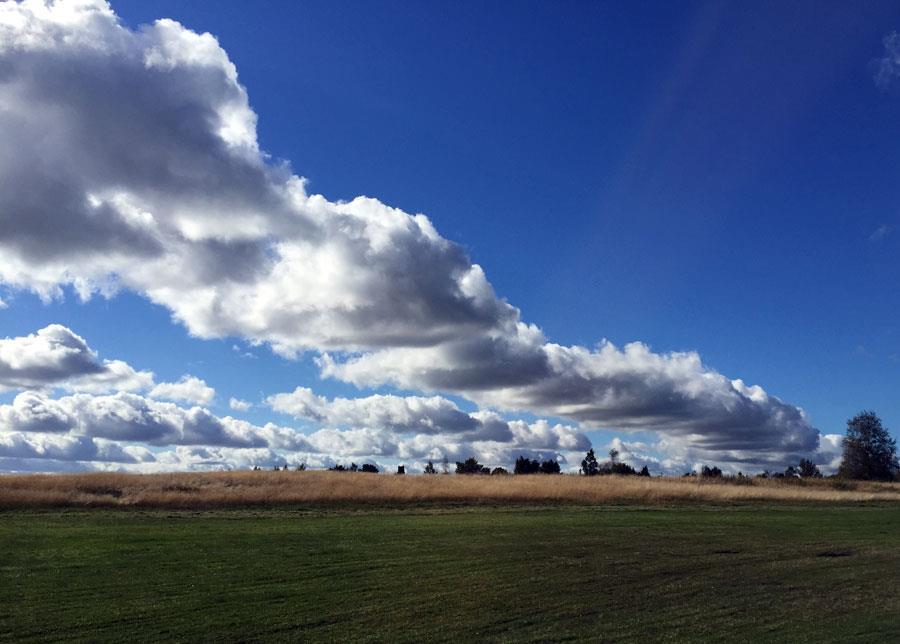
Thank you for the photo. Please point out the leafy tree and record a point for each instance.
(808, 469)
(499, 471)
(337, 468)
(711, 472)
(791, 472)
(429, 469)
(870, 453)
(368, 467)
(613, 456)
(644, 471)
(471, 466)
(353, 467)
(550, 466)
(301, 467)
(527, 466)
(590, 466)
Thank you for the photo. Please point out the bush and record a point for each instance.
(550, 467)
(368, 467)
(499, 471)
(711, 472)
(471, 466)
(808, 469)
(617, 468)
(526, 466)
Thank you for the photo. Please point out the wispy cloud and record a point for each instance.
(886, 70)
(881, 233)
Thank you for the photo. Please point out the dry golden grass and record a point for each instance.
(235, 489)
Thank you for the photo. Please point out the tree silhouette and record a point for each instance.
(808, 469)
(429, 469)
(526, 466)
(471, 466)
(368, 467)
(550, 466)
(499, 471)
(590, 466)
(870, 453)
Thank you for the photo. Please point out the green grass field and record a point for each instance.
(739, 573)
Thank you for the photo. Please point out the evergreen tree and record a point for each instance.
(590, 466)
(808, 470)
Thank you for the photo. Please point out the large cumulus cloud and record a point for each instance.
(131, 161)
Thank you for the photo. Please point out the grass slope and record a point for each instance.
(680, 573)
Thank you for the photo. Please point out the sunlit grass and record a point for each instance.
(225, 489)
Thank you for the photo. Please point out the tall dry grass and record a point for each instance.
(236, 489)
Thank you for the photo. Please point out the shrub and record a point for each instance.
(527, 466)
(550, 466)
(471, 466)
(808, 469)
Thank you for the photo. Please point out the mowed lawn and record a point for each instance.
(807, 573)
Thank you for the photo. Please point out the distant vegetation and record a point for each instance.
(870, 454)
(268, 488)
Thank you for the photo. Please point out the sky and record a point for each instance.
(668, 228)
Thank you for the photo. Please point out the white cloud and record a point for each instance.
(172, 198)
(881, 233)
(397, 413)
(239, 405)
(188, 389)
(69, 448)
(886, 70)
(57, 357)
(131, 417)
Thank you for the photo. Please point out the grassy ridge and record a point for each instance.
(241, 489)
(742, 573)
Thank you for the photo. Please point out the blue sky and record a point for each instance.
(707, 177)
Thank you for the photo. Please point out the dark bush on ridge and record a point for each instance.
(471, 466)
(550, 467)
(528, 466)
